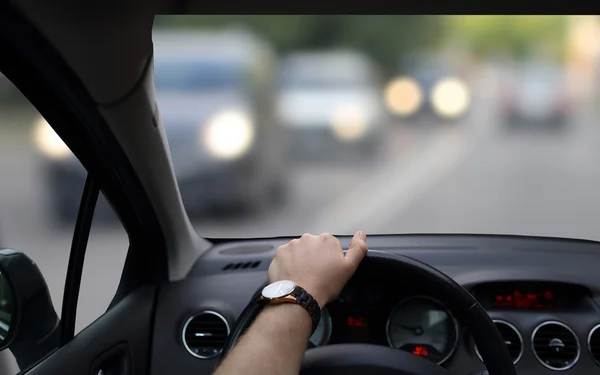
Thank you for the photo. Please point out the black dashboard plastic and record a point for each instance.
(226, 276)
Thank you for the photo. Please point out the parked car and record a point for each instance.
(428, 86)
(215, 91)
(535, 93)
(330, 101)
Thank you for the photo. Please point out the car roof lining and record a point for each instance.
(108, 45)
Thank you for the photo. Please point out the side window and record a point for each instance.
(104, 260)
(41, 185)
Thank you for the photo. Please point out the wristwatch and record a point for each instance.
(286, 291)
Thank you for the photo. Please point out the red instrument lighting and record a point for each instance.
(421, 351)
(356, 322)
(521, 300)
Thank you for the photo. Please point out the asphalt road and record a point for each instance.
(469, 176)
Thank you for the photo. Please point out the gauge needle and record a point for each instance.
(416, 330)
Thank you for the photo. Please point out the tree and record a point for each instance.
(518, 36)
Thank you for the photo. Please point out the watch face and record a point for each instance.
(278, 289)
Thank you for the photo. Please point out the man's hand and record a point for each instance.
(276, 341)
(317, 264)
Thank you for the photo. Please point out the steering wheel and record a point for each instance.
(351, 359)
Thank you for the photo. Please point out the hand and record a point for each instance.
(317, 264)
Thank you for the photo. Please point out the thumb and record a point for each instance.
(357, 250)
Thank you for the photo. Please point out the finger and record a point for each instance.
(357, 250)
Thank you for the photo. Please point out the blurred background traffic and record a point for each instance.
(279, 125)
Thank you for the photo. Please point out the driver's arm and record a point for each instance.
(276, 341)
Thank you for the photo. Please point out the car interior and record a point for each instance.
(496, 303)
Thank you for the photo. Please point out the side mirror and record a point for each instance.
(29, 325)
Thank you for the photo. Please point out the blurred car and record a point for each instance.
(535, 93)
(428, 86)
(216, 98)
(330, 101)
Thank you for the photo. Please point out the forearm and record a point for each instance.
(273, 345)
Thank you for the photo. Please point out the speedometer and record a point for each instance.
(423, 326)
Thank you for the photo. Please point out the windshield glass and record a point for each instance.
(196, 75)
(469, 147)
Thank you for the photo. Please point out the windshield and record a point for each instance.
(478, 149)
(185, 75)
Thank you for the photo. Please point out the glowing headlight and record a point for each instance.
(450, 97)
(403, 96)
(229, 135)
(48, 142)
(349, 124)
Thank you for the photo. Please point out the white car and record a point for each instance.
(330, 101)
(536, 94)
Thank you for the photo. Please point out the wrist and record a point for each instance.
(288, 291)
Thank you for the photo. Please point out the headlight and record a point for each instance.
(451, 97)
(349, 123)
(403, 96)
(228, 135)
(48, 142)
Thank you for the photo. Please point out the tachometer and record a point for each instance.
(323, 332)
(423, 326)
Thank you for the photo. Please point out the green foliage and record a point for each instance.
(517, 36)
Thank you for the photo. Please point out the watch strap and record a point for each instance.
(311, 305)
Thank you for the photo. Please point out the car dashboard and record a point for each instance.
(542, 293)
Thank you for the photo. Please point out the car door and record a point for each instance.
(119, 342)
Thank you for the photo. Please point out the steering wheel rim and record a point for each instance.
(459, 301)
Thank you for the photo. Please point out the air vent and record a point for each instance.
(511, 337)
(204, 334)
(555, 345)
(594, 344)
(241, 265)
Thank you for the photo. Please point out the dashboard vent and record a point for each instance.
(594, 344)
(555, 345)
(512, 338)
(241, 265)
(204, 334)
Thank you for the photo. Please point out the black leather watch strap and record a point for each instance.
(309, 303)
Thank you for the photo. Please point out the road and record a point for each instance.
(469, 176)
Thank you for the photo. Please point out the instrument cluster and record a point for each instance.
(414, 323)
